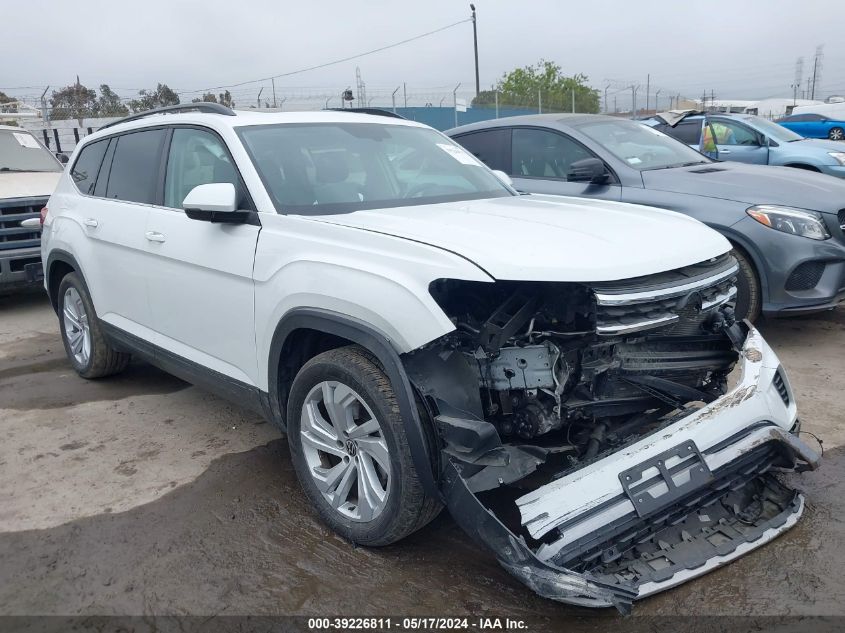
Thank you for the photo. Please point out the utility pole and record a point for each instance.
(573, 101)
(656, 97)
(475, 48)
(405, 93)
(704, 100)
(258, 99)
(539, 102)
(273, 81)
(393, 97)
(606, 104)
(496, 99)
(815, 70)
(647, 89)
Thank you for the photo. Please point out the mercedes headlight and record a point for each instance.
(788, 220)
(839, 156)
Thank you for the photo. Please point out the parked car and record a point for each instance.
(746, 138)
(786, 226)
(28, 175)
(814, 126)
(426, 337)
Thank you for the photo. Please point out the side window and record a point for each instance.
(544, 154)
(491, 147)
(733, 133)
(135, 167)
(688, 132)
(87, 165)
(196, 158)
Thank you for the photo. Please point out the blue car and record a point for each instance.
(746, 138)
(814, 126)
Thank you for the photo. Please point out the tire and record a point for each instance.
(748, 295)
(89, 353)
(347, 503)
(836, 134)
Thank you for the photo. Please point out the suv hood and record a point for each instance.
(28, 184)
(547, 238)
(752, 184)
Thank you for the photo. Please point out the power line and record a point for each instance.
(332, 63)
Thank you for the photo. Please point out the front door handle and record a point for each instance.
(724, 151)
(91, 222)
(154, 236)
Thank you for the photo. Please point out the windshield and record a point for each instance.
(773, 130)
(640, 146)
(325, 168)
(19, 151)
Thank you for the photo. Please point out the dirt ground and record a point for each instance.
(143, 495)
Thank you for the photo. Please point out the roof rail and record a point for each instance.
(207, 107)
(373, 111)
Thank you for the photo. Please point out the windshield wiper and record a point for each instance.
(18, 170)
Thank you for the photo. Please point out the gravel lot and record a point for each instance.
(143, 495)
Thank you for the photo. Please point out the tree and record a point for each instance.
(543, 81)
(149, 99)
(208, 97)
(73, 102)
(109, 104)
(225, 99)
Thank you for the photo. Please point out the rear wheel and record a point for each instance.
(350, 452)
(836, 134)
(748, 295)
(82, 335)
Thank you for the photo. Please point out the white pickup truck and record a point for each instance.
(28, 175)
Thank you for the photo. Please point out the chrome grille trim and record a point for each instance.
(607, 299)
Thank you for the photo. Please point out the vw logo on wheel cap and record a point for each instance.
(351, 447)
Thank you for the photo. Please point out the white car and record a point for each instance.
(554, 371)
(28, 175)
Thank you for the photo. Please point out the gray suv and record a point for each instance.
(786, 225)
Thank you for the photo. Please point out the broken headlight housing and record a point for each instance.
(788, 220)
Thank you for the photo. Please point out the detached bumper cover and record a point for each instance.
(670, 507)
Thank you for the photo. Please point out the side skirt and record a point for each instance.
(222, 385)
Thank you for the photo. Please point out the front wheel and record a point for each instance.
(350, 452)
(836, 134)
(748, 295)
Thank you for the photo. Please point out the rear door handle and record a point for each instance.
(154, 236)
(91, 222)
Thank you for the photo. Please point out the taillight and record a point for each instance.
(43, 215)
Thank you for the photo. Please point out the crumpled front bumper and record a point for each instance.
(725, 447)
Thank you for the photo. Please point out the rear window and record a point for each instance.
(492, 147)
(135, 166)
(87, 165)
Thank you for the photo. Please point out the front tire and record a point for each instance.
(748, 295)
(349, 449)
(82, 335)
(836, 134)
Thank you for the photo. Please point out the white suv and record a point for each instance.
(554, 371)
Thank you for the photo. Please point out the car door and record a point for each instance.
(200, 273)
(739, 142)
(802, 124)
(113, 214)
(541, 159)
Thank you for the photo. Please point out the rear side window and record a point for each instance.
(87, 165)
(135, 167)
(688, 132)
(491, 147)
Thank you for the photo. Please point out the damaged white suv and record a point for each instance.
(557, 372)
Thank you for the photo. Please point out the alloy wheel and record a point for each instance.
(836, 134)
(345, 450)
(77, 328)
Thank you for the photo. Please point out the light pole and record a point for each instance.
(475, 49)
(393, 96)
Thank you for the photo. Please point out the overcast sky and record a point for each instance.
(739, 48)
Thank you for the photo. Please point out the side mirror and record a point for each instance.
(63, 159)
(503, 177)
(590, 170)
(215, 202)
